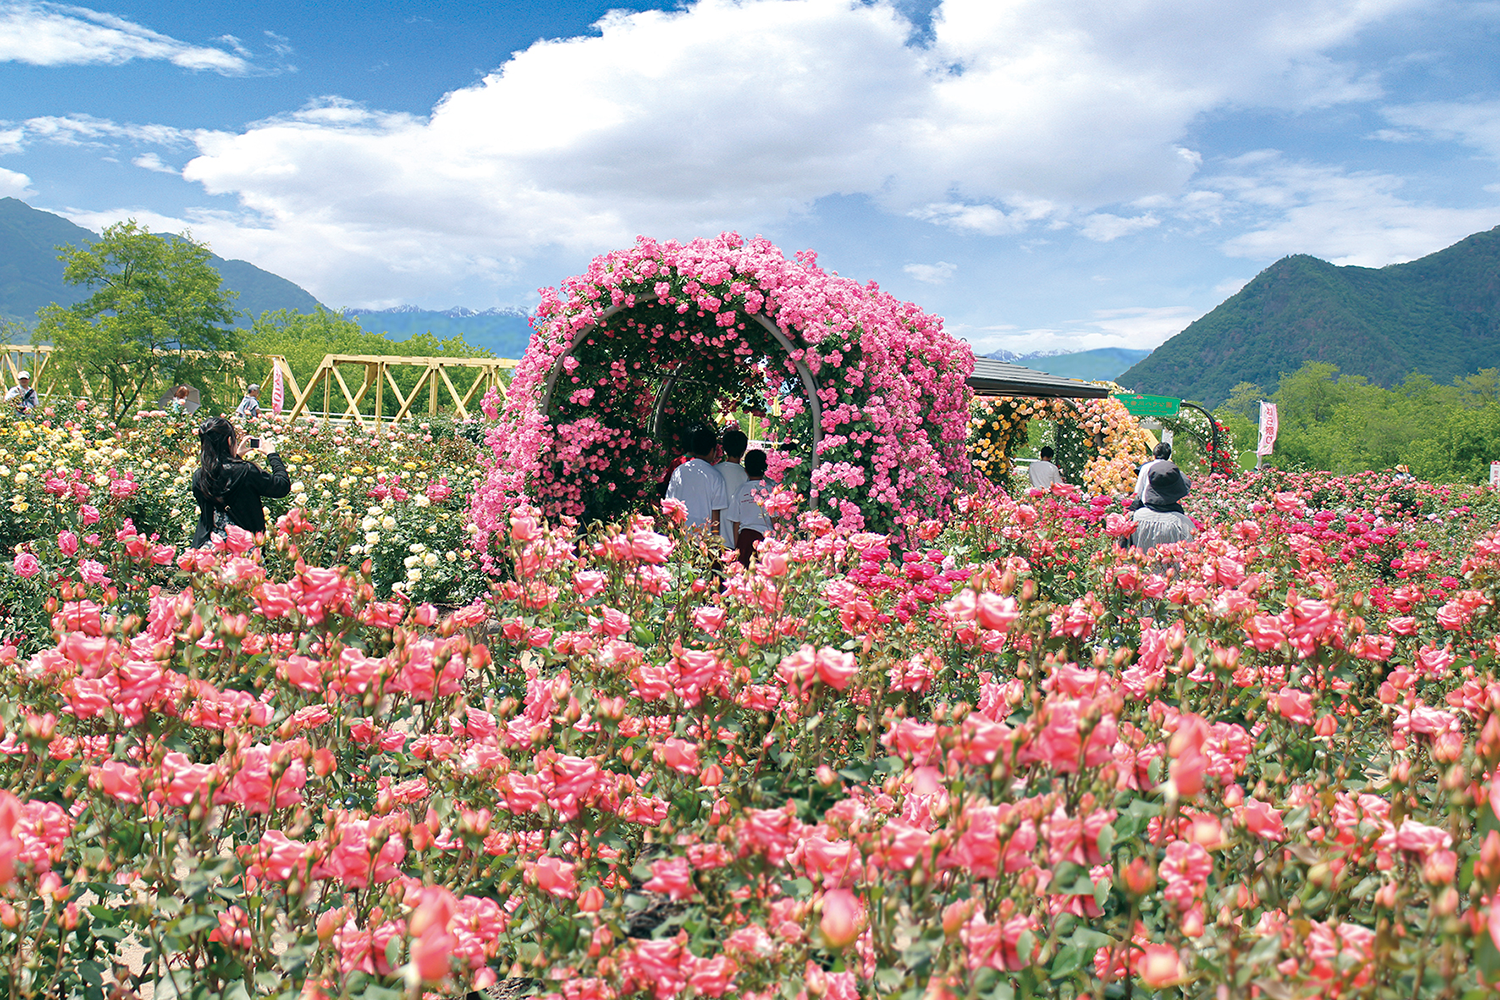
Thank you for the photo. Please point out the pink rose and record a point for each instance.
(553, 876)
(27, 565)
(92, 571)
(67, 542)
(673, 877)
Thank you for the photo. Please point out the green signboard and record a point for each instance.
(1150, 406)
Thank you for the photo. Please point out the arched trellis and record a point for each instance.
(1211, 435)
(1101, 452)
(871, 392)
(809, 383)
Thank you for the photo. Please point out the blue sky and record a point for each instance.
(1044, 174)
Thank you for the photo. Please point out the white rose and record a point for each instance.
(430, 560)
(388, 523)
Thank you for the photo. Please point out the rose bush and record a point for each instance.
(75, 489)
(1007, 759)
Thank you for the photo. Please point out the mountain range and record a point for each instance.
(31, 276)
(1103, 364)
(503, 332)
(1438, 315)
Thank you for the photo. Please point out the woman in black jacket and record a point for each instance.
(228, 487)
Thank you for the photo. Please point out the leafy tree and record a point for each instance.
(1244, 401)
(158, 315)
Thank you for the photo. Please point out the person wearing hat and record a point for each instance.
(249, 407)
(21, 395)
(1160, 520)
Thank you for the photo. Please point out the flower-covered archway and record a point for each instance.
(1099, 444)
(862, 395)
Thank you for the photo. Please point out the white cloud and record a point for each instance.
(52, 34)
(932, 274)
(1475, 123)
(14, 185)
(86, 130)
(1103, 227)
(1017, 115)
(1136, 327)
(152, 162)
(1345, 217)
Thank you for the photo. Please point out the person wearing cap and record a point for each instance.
(21, 395)
(249, 407)
(1160, 520)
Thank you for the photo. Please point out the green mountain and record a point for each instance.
(31, 276)
(1439, 315)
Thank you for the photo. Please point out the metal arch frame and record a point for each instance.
(809, 383)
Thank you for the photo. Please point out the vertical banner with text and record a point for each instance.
(278, 389)
(1267, 428)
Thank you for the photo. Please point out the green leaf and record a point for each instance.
(195, 922)
(1068, 961)
(1487, 956)
(1090, 940)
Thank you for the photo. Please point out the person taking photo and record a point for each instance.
(228, 486)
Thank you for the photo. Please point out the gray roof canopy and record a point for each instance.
(1001, 378)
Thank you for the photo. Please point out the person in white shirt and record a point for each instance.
(698, 484)
(249, 407)
(21, 396)
(734, 443)
(1161, 454)
(748, 520)
(1042, 472)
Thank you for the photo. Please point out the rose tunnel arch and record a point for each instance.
(863, 395)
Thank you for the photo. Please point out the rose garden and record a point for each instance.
(480, 714)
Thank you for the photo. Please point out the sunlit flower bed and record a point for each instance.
(1012, 760)
(72, 491)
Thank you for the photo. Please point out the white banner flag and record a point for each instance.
(1267, 428)
(278, 389)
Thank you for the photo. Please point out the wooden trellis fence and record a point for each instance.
(339, 401)
(379, 375)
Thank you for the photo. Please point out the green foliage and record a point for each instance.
(157, 315)
(1342, 423)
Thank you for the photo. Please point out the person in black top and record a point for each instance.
(228, 487)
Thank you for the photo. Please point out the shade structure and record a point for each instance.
(1001, 378)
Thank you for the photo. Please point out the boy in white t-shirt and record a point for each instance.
(698, 484)
(748, 519)
(734, 443)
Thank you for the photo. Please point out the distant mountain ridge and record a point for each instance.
(503, 332)
(31, 276)
(1439, 315)
(1102, 364)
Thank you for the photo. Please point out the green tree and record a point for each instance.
(158, 315)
